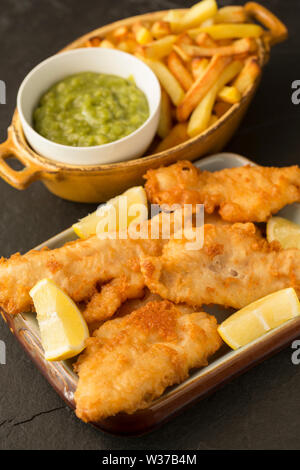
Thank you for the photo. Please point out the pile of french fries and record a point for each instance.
(205, 58)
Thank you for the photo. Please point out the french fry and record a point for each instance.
(204, 39)
(123, 46)
(141, 33)
(198, 13)
(237, 47)
(180, 71)
(230, 72)
(174, 18)
(160, 48)
(202, 114)
(183, 55)
(230, 94)
(95, 42)
(247, 76)
(202, 86)
(136, 27)
(184, 38)
(107, 44)
(167, 79)
(198, 66)
(243, 57)
(208, 22)
(120, 33)
(221, 108)
(229, 31)
(231, 14)
(224, 42)
(165, 120)
(143, 36)
(160, 29)
(128, 45)
(177, 136)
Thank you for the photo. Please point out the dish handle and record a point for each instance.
(277, 31)
(18, 179)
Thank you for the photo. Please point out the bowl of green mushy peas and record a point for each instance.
(90, 106)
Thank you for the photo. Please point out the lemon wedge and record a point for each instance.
(253, 321)
(62, 326)
(116, 215)
(284, 231)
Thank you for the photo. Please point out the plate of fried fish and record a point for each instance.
(154, 307)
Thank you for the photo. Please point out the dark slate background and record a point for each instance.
(259, 410)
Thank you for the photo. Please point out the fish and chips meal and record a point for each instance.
(127, 300)
(205, 58)
(134, 308)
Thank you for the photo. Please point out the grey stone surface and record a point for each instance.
(259, 410)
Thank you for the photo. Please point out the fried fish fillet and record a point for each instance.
(78, 268)
(103, 272)
(235, 267)
(244, 194)
(130, 361)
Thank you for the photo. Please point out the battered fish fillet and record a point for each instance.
(244, 194)
(235, 266)
(130, 361)
(79, 268)
(103, 272)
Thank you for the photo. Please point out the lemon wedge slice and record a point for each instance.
(116, 215)
(284, 231)
(253, 321)
(62, 326)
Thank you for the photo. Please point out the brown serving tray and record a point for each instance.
(223, 367)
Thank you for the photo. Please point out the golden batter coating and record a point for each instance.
(243, 194)
(130, 361)
(235, 267)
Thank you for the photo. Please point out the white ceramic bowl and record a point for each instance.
(99, 60)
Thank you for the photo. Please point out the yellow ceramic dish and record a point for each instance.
(97, 183)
